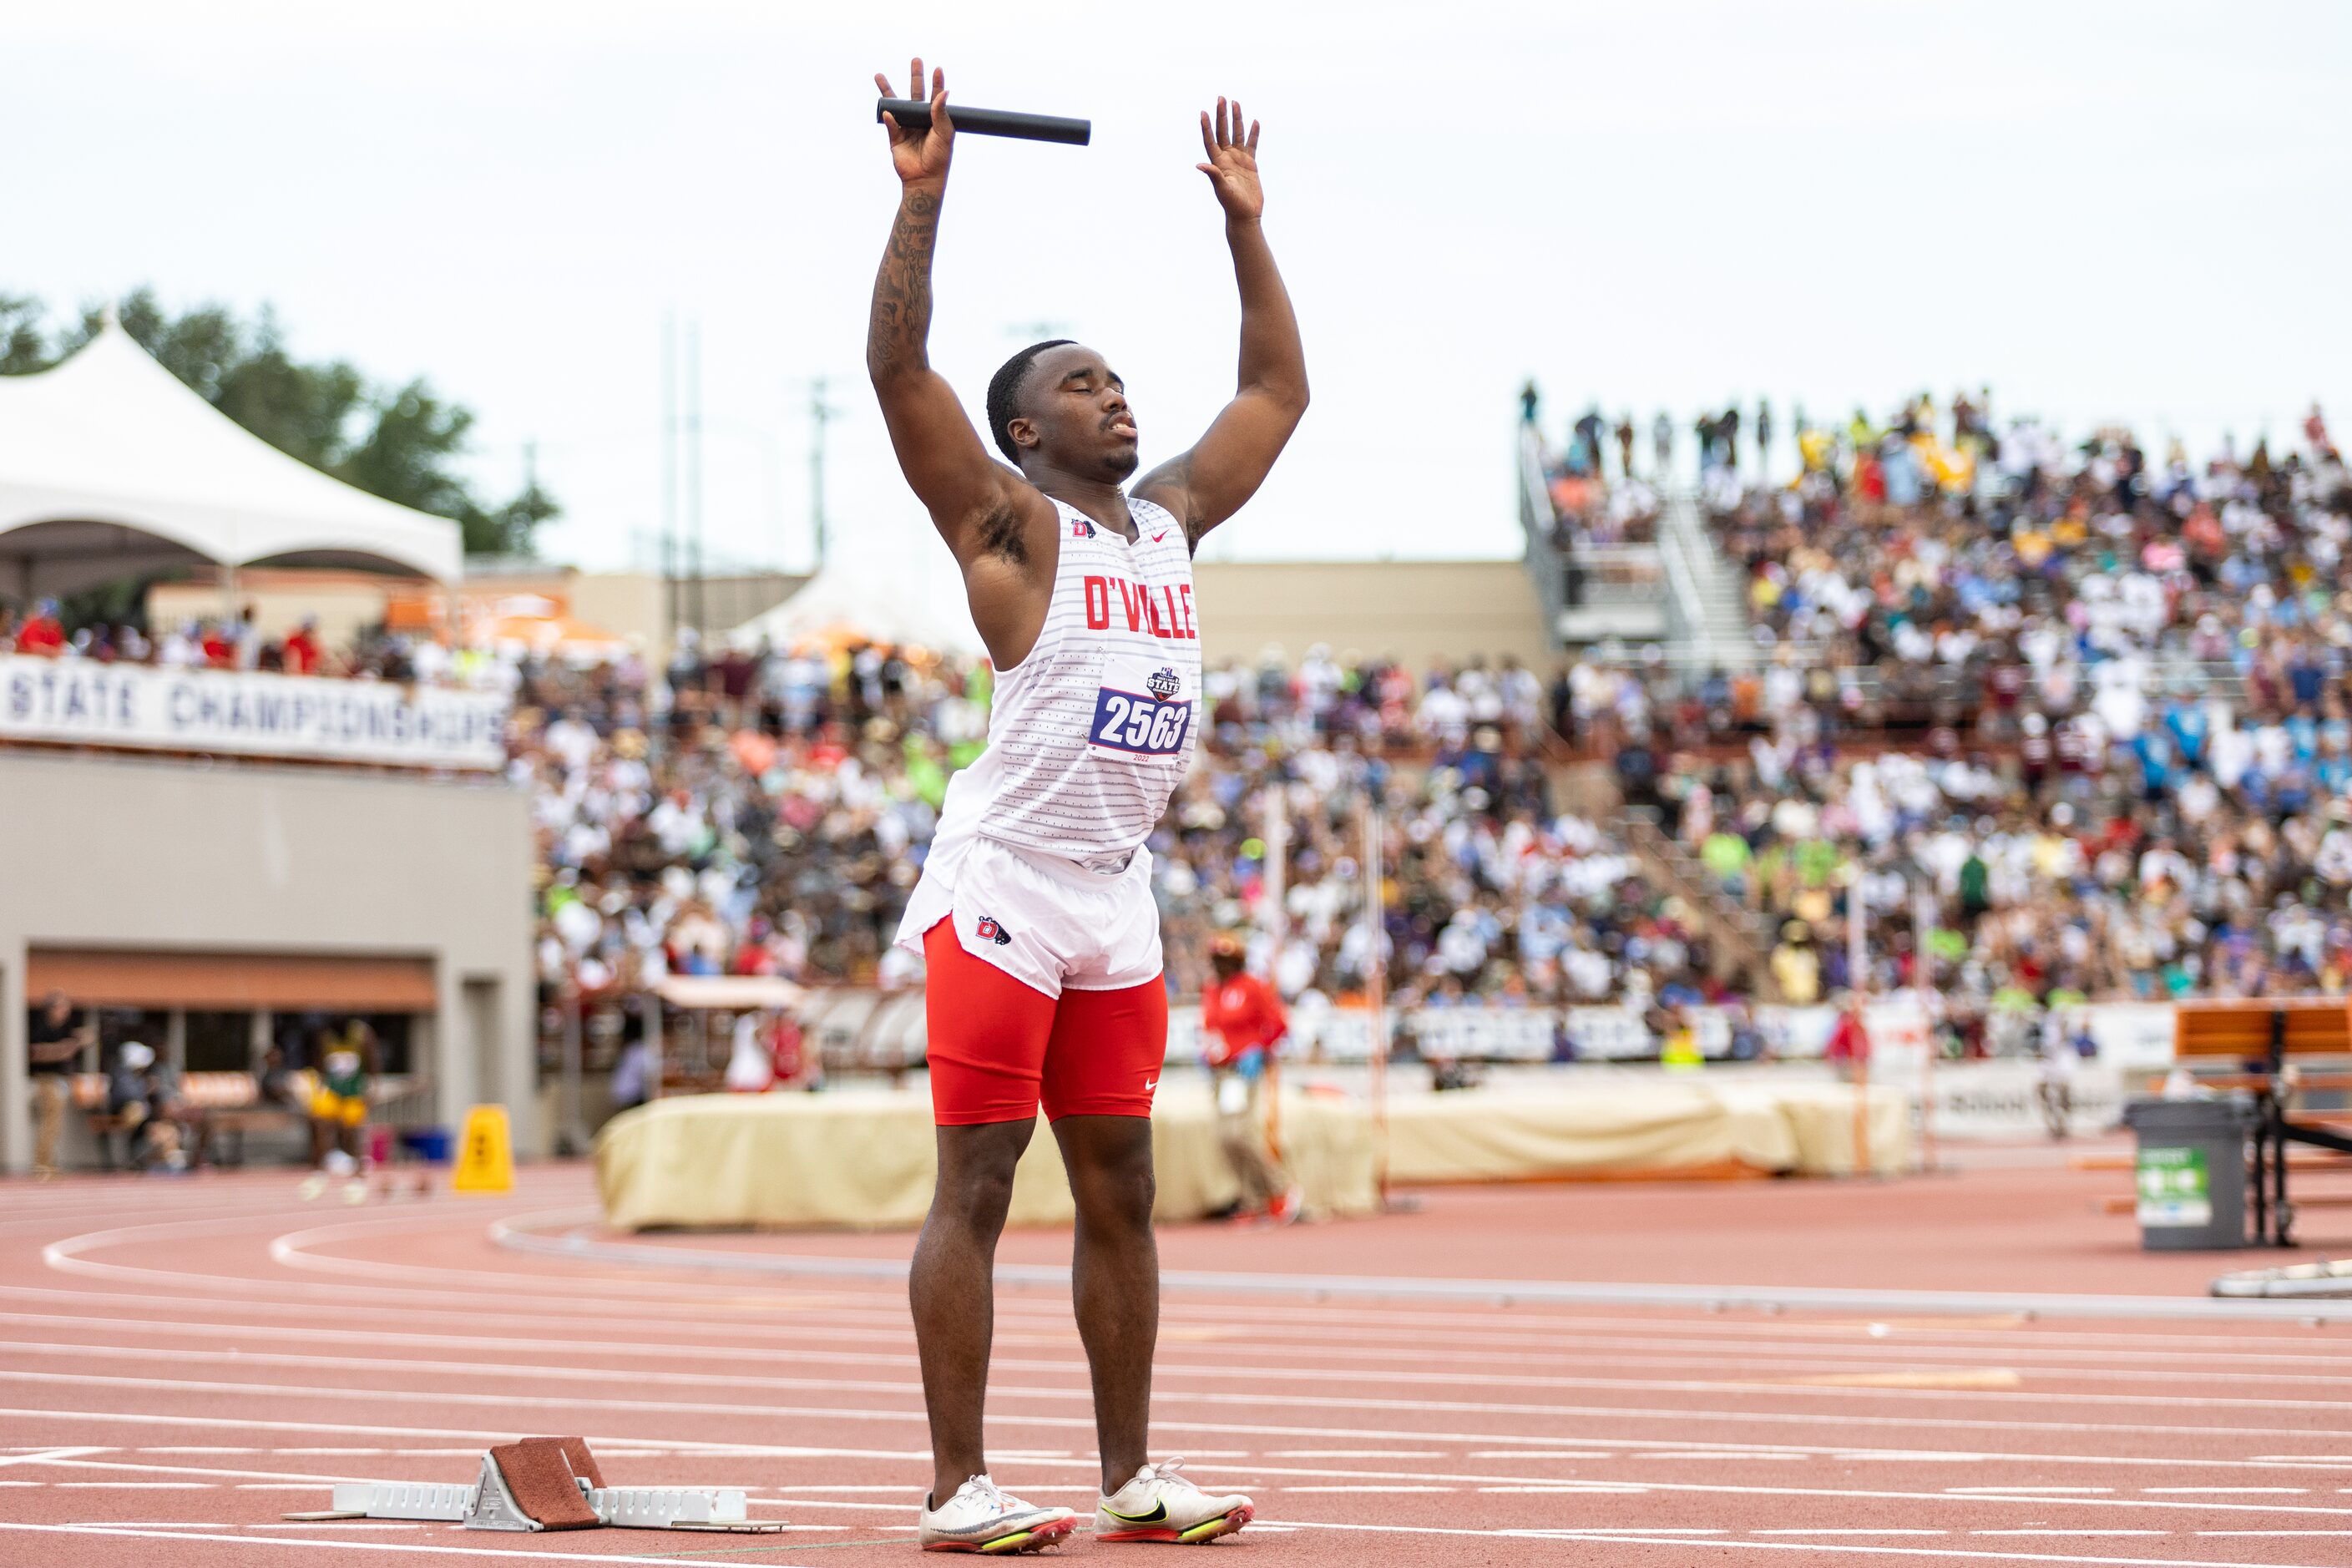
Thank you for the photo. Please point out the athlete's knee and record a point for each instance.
(1112, 1181)
(976, 1167)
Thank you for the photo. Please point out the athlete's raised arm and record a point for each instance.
(1208, 484)
(986, 512)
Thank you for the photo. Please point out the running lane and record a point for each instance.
(181, 1362)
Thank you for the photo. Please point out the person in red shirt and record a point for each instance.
(1849, 1045)
(303, 652)
(1242, 1027)
(42, 635)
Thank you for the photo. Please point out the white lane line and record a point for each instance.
(1570, 1531)
(1736, 1459)
(1453, 1478)
(2226, 1491)
(196, 1470)
(2330, 1534)
(1366, 1488)
(1594, 1489)
(523, 1233)
(839, 1268)
(2012, 1492)
(1842, 1531)
(859, 1320)
(1633, 1537)
(313, 1542)
(2117, 1532)
(1172, 1360)
(138, 1486)
(1358, 1454)
(49, 1456)
(1680, 1416)
(1550, 1453)
(1223, 1375)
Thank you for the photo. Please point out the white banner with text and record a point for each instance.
(78, 701)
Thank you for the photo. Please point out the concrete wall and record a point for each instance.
(1416, 610)
(140, 856)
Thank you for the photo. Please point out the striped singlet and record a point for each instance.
(1089, 734)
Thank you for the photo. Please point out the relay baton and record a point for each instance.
(915, 114)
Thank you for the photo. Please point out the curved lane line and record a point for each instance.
(526, 1234)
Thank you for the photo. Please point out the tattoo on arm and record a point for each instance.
(901, 318)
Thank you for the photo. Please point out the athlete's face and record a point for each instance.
(1076, 407)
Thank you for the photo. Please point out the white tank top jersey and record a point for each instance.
(1090, 733)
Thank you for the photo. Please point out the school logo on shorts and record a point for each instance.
(1081, 528)
(989, 931)
(1165, 683)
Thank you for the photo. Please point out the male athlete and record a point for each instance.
(1035, 912)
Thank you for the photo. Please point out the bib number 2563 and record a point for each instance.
(1143, 726)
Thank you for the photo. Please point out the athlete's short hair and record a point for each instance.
(1004, 391)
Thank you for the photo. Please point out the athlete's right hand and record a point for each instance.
(920, 156)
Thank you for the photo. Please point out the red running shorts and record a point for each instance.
(1000, 1048)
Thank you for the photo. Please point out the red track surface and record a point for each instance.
(183, 1362)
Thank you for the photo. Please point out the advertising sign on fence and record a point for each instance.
(246, 713)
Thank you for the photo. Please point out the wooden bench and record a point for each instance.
(2270, 1048)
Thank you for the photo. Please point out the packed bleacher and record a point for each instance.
(2130, 779)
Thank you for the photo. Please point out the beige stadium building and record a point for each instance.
(205, 860)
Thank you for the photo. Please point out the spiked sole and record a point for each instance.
(1020, 1541)
(1206, 1531)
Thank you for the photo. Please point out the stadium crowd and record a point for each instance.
(2132, 783)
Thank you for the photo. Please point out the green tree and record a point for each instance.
(403, 443)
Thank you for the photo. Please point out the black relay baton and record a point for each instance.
(915, 114)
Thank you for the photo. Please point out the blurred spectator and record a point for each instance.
(142, 1095)
(57, 1036)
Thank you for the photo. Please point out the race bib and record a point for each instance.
(1143, 709)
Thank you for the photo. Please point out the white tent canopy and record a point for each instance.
(110, 468)
(918, 599)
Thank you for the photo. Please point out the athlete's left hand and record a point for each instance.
(1232, 167)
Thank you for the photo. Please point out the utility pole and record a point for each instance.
(821, 413)
(693, 473)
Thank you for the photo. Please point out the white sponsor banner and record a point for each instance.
(1608, 1034)
(1485, 1034)
(2016, 1098)
(1795, 1033)
(249, 714)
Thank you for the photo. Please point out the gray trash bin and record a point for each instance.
(2192, 1172)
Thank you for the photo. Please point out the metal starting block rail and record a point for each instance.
(496, 1501)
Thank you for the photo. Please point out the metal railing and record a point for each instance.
(1745, 932)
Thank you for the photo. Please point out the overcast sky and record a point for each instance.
(2107, 212)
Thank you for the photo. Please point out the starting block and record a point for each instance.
(545, 1483)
